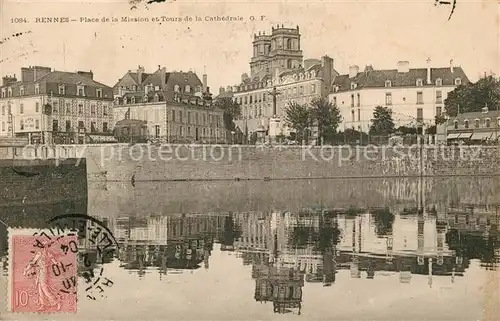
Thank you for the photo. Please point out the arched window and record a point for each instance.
(487, 122)
(466, 123)
(132, 100)
(455, 123)
(439, 82)
(187, 89)
(301, 76)
(388, 83)
(156, 98)
(177, 88)
(476, 123)
(313, 73)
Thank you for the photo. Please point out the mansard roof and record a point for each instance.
(378, 78)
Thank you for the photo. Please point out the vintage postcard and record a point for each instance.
(249, 160)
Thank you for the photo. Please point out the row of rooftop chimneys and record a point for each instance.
(403, 66)
(163, 75)
(263, 33)
(33, 73)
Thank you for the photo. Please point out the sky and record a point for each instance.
(376, 32)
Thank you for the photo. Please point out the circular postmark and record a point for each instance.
(82, 244)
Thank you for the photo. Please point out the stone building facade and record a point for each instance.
(177, 106)
(405, 90)
(277, 65)
(47, 106)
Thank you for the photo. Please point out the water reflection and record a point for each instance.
(417, 239)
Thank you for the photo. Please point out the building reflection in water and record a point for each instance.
(289, 250)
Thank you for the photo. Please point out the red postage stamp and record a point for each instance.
(42, 272)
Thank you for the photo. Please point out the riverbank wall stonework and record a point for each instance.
(143, 162)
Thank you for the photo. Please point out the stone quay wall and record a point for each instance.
(144, 162)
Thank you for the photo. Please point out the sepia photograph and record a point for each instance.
(250, 160)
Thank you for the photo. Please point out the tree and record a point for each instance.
(473, 97)
(383, 219)
(298, 117)
(231, 110)
(382, 122)
(327, 117)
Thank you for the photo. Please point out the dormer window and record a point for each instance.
(132, 100)
(176, 88)
(21, 91)
(157, 88)
(37, 89)
(487, 122)
(313, 73)
(134, 87)
(125, 101)
(301, 76)
(466, 123)
(498, 121)
(98, 92)
(80, 90)
(353, 86)
(9, 92)
(476, 123)
(62, 90)
(455, 123)
(145, 99)
(419, 82)
(156, 98)
(3, 92)
(388, 83)
(307, 75)
(439, 82)
(187, 89)
(458, 81)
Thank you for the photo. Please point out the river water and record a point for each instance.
(367, 249)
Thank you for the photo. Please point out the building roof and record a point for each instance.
(63, 77)
(377, 78)
(477, 114)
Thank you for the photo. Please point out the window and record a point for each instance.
(352, 115)
(98, 92)
(132, 100)
(353, 86)
(21, 108)
(81, 124)
(438, 111)
(455, 123)
(476, 123)
(92, 109)
(458, 81)
(498, 122)
(37, 89)
(187, 89)
(157, 131)
(61, 90)
(419, 82)
(352, 100)
(388, 84)
(37, 107)
(3, 126)
(189, 131)
(80, 90)
(55, 125)
(105, 127)
(313, 87)
(3, 92)
(439, 96)
(68, 125)
(487, 122)
(3, 110)
(439, 82)
(9, 92)
(80, 109)
(180, 116)
(105, 110)
(251, 99)
(359, 114)
(466, 124)
(173, 115)
(93, 129)
(37, 124)
(157, 88)
(21, 124)
(301, 90)
(359, 100)
(420, 97)
(21, 91)
(176, 88)
(180, 130)
(388, 99)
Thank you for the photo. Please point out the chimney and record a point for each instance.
(327, 66)
(8, 80)
(429, 71)
(27, 74)
(163, 77)
(140, 72)
(87, 74)
(353, 71)
(403, 66)
(451, 66)
(40, 71)
(221, 90)
(229, 88)
(205, 82)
